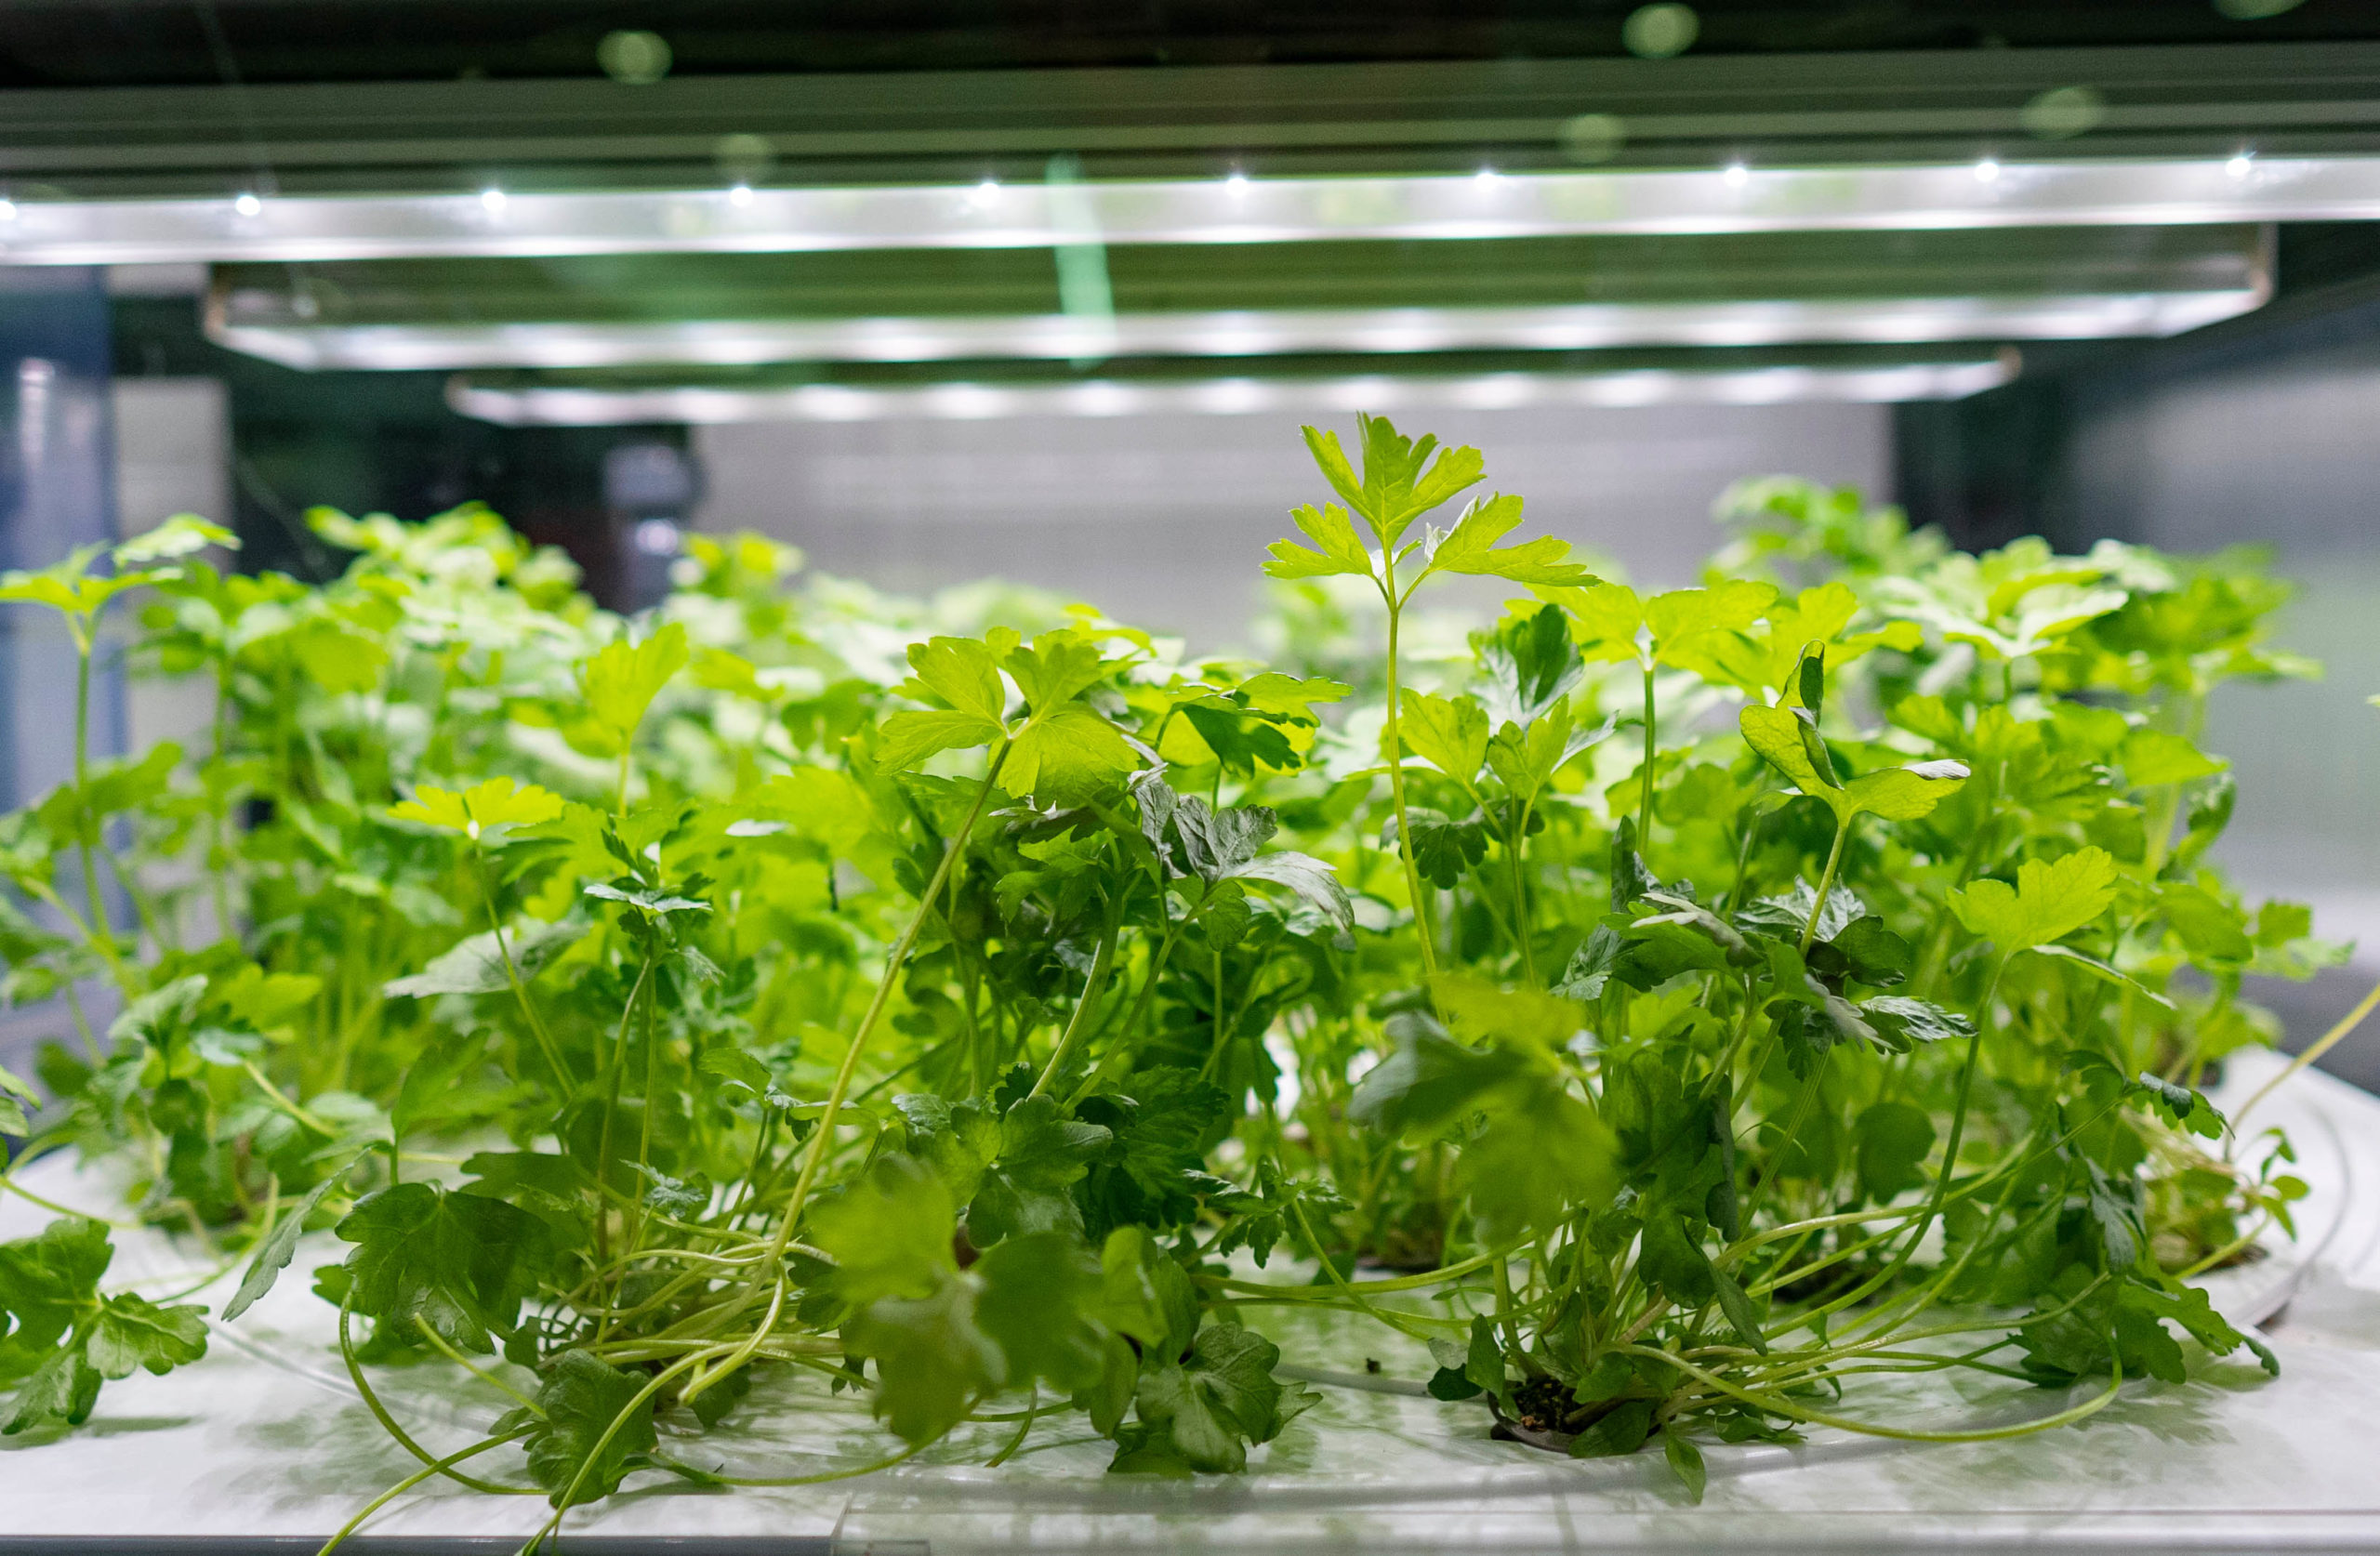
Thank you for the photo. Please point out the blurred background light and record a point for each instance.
(634, 59)
(1659, 32)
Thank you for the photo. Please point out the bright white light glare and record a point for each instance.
(656, 537)
(964, 402)
(740, 195)
(1235, 182)
(985, 193)
(7, 210)
(247, 204)
(1486, 178)
(492, 200)
(1582, 326)
(1207, 209)
(1987, 171)
(2241, 164)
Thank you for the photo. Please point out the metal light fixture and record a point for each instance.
(574, 407)
(418, 346)
(1203, 210)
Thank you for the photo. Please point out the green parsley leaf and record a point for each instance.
(1039, 1304)
(274, 1252)
(1221, 1401)
(933, 1360)
(1336, 549)
(2050, 900)
(460, 1263)
(592, 1428)
(1401, 479)
(1450, 734)
(890, 1232)
(1894, 1141)
(134, 1333)
(17, 1103)
(1471, 548)
(496, 802)
(475, 965)
(621, 679)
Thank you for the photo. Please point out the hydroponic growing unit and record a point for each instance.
(1758, 1061)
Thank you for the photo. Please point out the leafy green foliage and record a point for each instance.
(17, 1103)
(2050, 900)
(890, 1232)
(61, 1337)
(973, 1002)
(593, 1425)
(458, 1264)
(497, 802)
(1205, 1411)
(621, 679)
(1787, 738)
(277, 1247)
(1471, 548)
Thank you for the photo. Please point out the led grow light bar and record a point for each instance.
(560, 406)
(1898, 320)
(1192, 211)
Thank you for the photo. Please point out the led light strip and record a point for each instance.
(1237, 334)
(1495, 392)
(1237, 209)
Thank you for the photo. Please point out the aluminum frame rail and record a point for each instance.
(456, 136)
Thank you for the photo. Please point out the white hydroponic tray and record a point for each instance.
(265, 1439)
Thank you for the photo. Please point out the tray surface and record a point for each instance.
(267, 1438)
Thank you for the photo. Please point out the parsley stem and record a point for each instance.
(1397, 1321)
(389, 1422)
(439, 1468)
(912, 1451)
(1792, 1128)
(1093, 986)
(1645, 802)
(101, 934)
(1023, 1427)
(611, 1102)
(1122, 1045)
(512, 972)
(1396, 793)
(282, 1101)
(219, 873)
(12, 1186)
(1778, 1407)
(439, 1343)
(1501, 1271)
(651, 1066)
(1826, 883)
(1958, 1126)
(822, 1140)
(1514, 852)
(1426, 1279)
